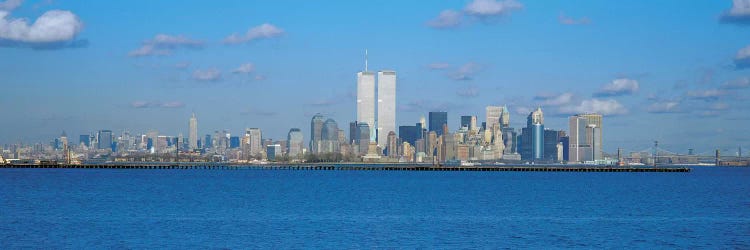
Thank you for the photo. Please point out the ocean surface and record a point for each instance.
(107, 208)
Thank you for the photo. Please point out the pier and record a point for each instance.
(358, 167)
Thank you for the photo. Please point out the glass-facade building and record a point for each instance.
(436, 122)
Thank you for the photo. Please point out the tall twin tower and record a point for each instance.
(386, 103)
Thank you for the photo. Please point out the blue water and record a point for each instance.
(86, 208)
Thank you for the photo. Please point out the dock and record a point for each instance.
(358, 167)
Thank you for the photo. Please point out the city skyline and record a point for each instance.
(688, 70)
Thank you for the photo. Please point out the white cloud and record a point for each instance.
(209, 75)
(438, 66)
(664, 107)
(465, 72)
(619, 87)
(53, 26)
(709, 94)
(10, 5)
(246, 68)
(487, 8)
(446, 19)
(740, 83)
(603, 107)
(263, 31)
(174, 104)
(140, 104)
(742, 59)
(719, 106)
(739, 13)
(572, 21)
(163, 45)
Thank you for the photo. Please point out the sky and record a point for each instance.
(674, 71)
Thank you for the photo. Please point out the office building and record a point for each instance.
(585, 141)
(104, 139)
(386, 122)
(295, 143)
(366, 100)
(193, 133)
(437, 120)
(493, 116)
(316, 133)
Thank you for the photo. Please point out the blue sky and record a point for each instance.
(673, 71)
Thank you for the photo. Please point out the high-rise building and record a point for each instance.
(193, 133)
(392, 145)
(273, 151)
(366, 100)
(552, 138)
(234, 142)
(330, 136)
(85, 140)
(466, 121)
(255, 140)
(585, 142)
(316, 133)
(363, 139)
(295, 143)
(207, 142)
(386, 105)
(505, 117)
(410, 134)
(493, 116)
(532, 136)
(437, 120)
(104, 139)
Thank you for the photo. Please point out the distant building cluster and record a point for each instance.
(372, 137)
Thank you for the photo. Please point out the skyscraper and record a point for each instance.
(193, 133)
(330, 136)
(585, 142)
(316, 133)
(363, 139)
(437, 120)
(104, 139)
(366, 100)
(295, 142)
(532, 136)
(493, 116)
(505, 117)
(255, 140)
(386, 105)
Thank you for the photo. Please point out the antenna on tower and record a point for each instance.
(365, 60)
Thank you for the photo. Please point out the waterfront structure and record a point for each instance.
(585, 143)
(193, 133)
(295, 143)
(316, 133)
(273, 151)
(437, 120)
(386, 122)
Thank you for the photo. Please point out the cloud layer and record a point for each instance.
(446, 19)
(154, 104)
(618, 87)
(163, 45)
(263, 31)
(208, 75)
(488, 8)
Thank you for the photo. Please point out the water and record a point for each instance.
(87, 208)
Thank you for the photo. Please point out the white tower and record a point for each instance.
(366, 99)
(386, 105)
(193, 133)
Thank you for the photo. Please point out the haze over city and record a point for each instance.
(662, 71)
